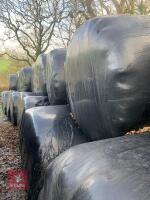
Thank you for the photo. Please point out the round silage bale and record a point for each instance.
(107, 73)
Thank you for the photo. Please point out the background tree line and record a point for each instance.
(34, 26)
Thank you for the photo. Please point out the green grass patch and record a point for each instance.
(4, 65)
(7, 67)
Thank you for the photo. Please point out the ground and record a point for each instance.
(9, 159)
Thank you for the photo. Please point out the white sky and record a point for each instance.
(8, 44)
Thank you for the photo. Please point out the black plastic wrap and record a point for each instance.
(27, 101)
(24, 79)
(13, 106)
(112, 169)
(4, 96)
(13, 79)
(39, 75)
(55, 79)
(107, 73)
(47, 131)
(20, 106)
(8, 105)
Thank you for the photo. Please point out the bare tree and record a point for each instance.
(78, 12)
(126, 6)
(32, 23)
(81, 10)
(37, 24)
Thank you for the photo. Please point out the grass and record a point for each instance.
(4, 65)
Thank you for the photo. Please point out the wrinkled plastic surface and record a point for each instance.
(13, 106)
(47, 131)
(39, 75)
(13, 79)
(27, 101)
(4, 99)
(55, 79)
(21, 106)
(24, 79)
(8, 105)
(107, 73)
(112, 169)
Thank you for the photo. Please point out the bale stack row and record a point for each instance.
(96, 89)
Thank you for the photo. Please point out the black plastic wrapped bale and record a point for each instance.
(13, 79)
(15, 100)
(26, 102)
(112, 169)
(24, 79)
(20, 106)
(47, 131)
(5, 95)
(107, 73)
(55, 78)
(13, 106)
(39, 75)
(8, 105)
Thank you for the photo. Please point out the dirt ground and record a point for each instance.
(10, 159)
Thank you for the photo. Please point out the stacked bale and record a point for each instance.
(116, 168)
(13, 79)
(55, 77)
(8, 105)
(24, 79)
(32, 83)
(23, 85)
(12, 84)
(47, 78)
(46, 133)
(39, 75)
(28, 100)
(5, 96)
(13, 106)
(107, 75)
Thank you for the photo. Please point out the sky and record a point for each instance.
(9, 44)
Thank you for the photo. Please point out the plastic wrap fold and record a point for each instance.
(39, 75)
(27, 101)
(5, 97)
(13, 106)
(20, 106)
(107, 72)
(55, 80)
(12, 81)
(24, 79)
(109, 169)
(47, 131)
(8, 113)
